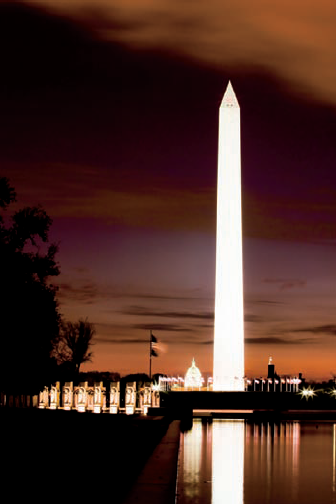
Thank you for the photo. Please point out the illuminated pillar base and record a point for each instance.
(44, 398)
(130, 410)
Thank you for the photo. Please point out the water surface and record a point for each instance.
(233, 462)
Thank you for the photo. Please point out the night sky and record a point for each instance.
(109, 119)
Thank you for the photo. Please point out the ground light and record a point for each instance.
(228, 356)
(307, 393)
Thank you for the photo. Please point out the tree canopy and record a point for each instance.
(73, 347)
(30, 319)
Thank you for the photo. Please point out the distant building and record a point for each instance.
(271, 369)
(193, 378)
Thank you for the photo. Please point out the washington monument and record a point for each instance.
(228, 361)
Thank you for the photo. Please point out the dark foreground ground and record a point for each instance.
(48, 455)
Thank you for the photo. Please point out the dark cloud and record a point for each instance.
(148, 295)
(225, 33)
(253, 318)
(194, 342)
(204, 326)
(69, 87)
(121, 341)
(267, 302)
(329, 329)
(86, 293)
(81, 270)
(162, 327)
(145, 312)
(276, 341)
(286, 283)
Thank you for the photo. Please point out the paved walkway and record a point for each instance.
(156, 483)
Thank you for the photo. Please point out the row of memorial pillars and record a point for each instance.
(18, 400)
(84, 398)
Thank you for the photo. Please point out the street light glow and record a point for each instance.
(307, 393)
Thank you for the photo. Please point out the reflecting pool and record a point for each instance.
(235, 462)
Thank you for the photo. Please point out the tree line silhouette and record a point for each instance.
(36, 344)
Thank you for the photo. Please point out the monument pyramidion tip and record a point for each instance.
(229, 98)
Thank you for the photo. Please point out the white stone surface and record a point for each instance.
(228, 363)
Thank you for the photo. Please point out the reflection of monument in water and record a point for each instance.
(228, 462)
(228, 357)
(234, 462)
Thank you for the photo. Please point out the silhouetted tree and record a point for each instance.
(156, 377)
(137, 377)
(96, 376)
(73, 346)
(29, 321)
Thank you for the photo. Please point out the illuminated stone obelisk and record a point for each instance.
(228, 362)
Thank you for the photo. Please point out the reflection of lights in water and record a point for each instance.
(262, 460)
(192, 449)
(272, 455)
(268, 442)
(334, 463)
(293, 445)
(284, 443)
(227, 461)
(296, 445)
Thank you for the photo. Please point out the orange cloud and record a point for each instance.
(296, 40)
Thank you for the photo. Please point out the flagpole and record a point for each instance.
(150, 355)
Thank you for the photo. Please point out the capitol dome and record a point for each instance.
(193, 377)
